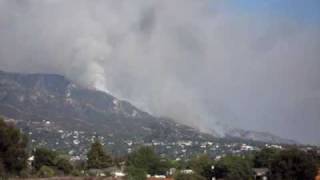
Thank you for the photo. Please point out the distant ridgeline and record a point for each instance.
(60, 114)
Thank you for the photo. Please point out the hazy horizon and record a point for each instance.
(210, 64)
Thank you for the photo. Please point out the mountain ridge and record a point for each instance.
(39, 98)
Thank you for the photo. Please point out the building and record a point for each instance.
(157, 178)
(260, 173)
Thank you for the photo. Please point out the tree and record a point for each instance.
(45, 171)
(64, 165)
(136, 173)
(47, 158)
(263, 158)
(234, 167)
(44, 157)
(202, 165)
(315, 155)
(146, 159)
(97, 157)
(13, 144)
(181, 176)
(293, 164)
(2, 170)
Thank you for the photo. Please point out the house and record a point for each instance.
(187, 171)
(118, 174)
(171, 171)
(111, 171)
(155, 178)
(260, 173)
(30, 160)
(97, 172)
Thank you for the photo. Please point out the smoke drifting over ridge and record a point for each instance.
(198, 62)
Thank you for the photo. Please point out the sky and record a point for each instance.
(211, 64)
(303, 11)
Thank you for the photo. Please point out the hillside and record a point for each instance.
(61, 114)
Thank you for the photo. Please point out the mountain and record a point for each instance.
(38, 97)
(61, 114)
(257, 136)
(47, 106)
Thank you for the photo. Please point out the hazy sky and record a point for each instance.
(211, 64)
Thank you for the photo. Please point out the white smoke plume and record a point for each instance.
(199, 62)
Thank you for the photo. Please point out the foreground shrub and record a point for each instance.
(43, 157)
(45, 171)
(13, 153)
(2, 170)
(64, 165)
(145, 158)
(76, 172)
(97, 157)
(136, 173)
(202, 165)
(181, 176)
(234, 167)
(25, 173)
(293, 164)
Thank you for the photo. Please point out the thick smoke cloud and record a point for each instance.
(198, 62)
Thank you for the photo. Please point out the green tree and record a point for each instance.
(136, 173)
(315, 155)
(234, 167)
(13, 151)
(64, 165)
(97, 157)
(2, 170)
(202, 165)
(181, 164)
(263, 158)
(44, 157)
(181, 176)
(146, 159)
(45, 171)
(293, 164)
